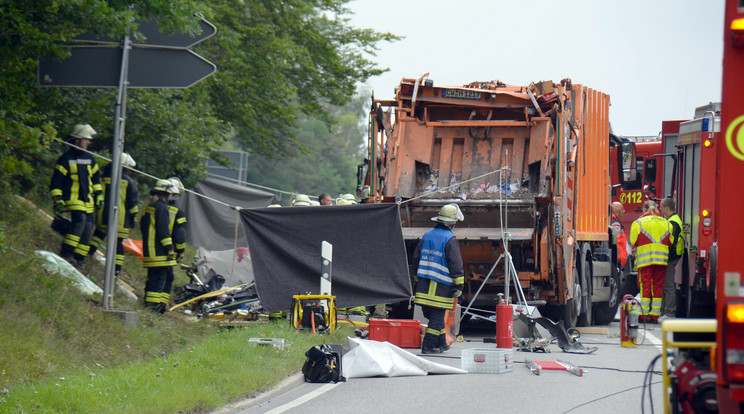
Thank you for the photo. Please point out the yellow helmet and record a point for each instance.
(349, 198)
(164, 186)
(301, 200)
(83, 131)
(449, 214)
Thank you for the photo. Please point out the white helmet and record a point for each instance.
(274, 205)
(349, 198)
(449, 214)
(127, 160)
(301, 200)
(83, 131)
(177, 184)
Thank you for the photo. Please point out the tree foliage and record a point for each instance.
(330, 162)
(279, 63)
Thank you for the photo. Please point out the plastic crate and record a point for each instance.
(405, 333)
(486, 360)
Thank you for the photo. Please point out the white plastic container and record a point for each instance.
(486, 360)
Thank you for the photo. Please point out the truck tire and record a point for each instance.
(570, 315)
(604, 312)
(572, 308)
(585, 313)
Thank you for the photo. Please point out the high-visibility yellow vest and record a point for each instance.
(678, 244)
(650, 235)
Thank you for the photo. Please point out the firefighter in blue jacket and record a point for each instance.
(158, 251)
(76, 189)
(439, 276)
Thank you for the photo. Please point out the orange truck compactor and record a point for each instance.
(435, 145)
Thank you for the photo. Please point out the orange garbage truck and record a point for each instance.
(529, 167)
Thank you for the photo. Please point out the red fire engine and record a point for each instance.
(689, 178)
(729, 351)
(631, 194)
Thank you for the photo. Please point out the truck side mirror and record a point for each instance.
(626, 159)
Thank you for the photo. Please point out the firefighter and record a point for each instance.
(159, 254)
(177, 227)
(76, 189)
(669, 300)
(650, 236)
(301, 201)
(128, 209)
(439, 276)
(618, 210)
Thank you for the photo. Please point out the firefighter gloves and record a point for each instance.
(99, 201)
(59, 206)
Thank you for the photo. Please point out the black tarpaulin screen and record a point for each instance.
(369, 257)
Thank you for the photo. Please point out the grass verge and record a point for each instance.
(59, 353)
(222, 369)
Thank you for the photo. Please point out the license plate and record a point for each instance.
(460, 94)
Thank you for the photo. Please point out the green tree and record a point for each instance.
(278, 61)
(331, 157)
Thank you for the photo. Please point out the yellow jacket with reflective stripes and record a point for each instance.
(678, 240)
(650, 235)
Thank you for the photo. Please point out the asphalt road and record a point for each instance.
(613, 380)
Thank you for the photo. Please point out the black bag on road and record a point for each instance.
(323, 364)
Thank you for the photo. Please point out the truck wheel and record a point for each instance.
(573, 306)
(585, 315)
(570, 315)
(604, 312)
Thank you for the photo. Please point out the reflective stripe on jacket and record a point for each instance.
(128, 199)
(177, 226)
(76, 180)
(650, 235)
(156, 236)
(678, 237)
(433, 294)
(433, 262)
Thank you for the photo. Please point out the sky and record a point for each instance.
(657, 59)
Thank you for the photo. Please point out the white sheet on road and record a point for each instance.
(367, 358)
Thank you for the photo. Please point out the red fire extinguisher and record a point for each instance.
(629, 322)
(504, 324)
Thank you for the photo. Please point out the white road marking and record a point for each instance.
(305, 398)
(653, 339)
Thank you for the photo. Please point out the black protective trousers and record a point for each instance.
(435, 336)
(157, 278)
(77, 241)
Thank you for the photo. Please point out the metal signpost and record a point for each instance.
(162, 61)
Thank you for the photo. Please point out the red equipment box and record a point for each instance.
(405, 333)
